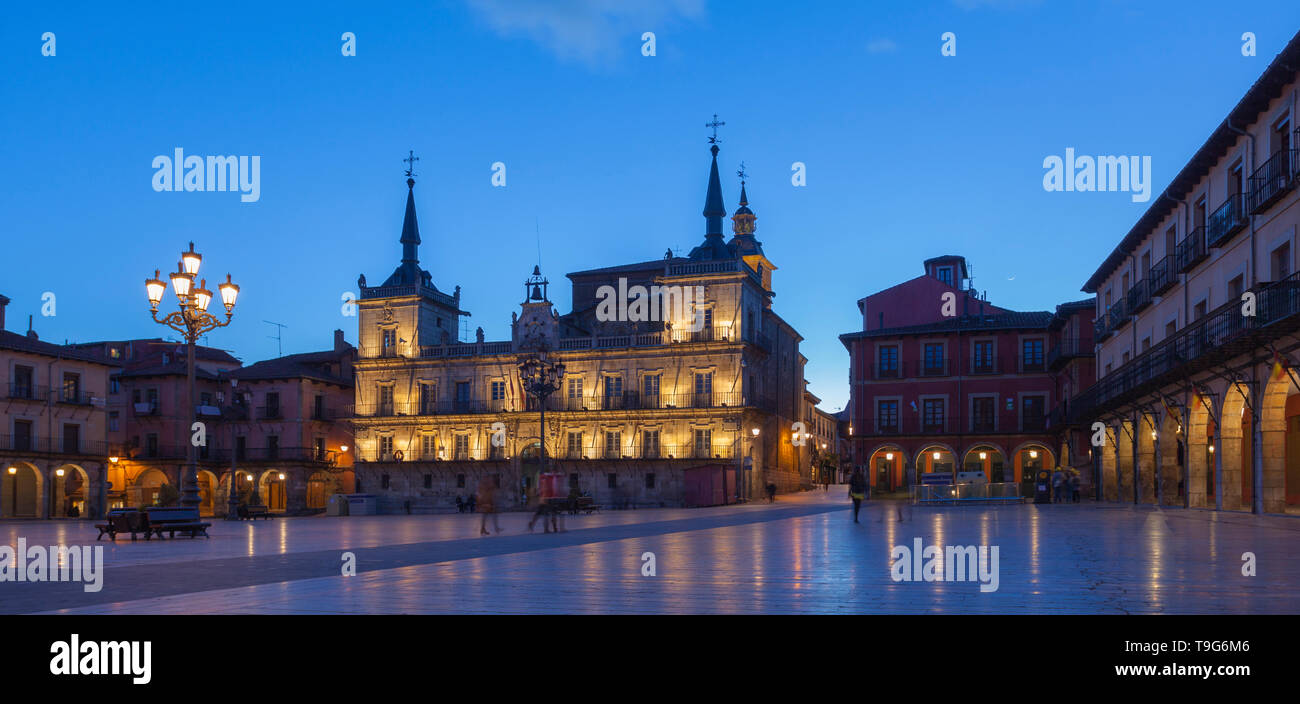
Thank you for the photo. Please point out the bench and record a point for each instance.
(573, 507)
(252, 511)
(120, 520)
(176, 520)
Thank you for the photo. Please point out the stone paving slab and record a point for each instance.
(801, 555)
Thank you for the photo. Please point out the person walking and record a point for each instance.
(771, 492)
(486, 502)
(1058, 486)
(857, 491)
(1074, 486)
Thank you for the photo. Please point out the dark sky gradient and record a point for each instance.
(909, 154)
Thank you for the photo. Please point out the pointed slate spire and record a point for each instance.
(410, 228)
(714, 210)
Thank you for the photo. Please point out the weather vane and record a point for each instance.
(715, 125)
(741, 173)
(410, 160)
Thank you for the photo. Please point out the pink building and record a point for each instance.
(273, 425)
(942, 380)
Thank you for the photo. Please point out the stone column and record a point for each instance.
(1218, 463)
(1136, 440)
(1257, 448)
(1158, 467)
(1186, 471)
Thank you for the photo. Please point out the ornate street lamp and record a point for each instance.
(540, 378)
(191, 320)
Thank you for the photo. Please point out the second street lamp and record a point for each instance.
(191, 320)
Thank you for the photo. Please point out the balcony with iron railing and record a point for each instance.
(1230, 218)
(1101, 327)
(25, 392)
(53, 446)
(1274, 179)
(598, 450)
(1214, 339)
(628, 400)
(1031, 363)
(1191, 251)
(269, 412)
(932, 366)
(1162, 276)
(1138, 297)
(1118, 314)
(1066, 349)
(912, 423)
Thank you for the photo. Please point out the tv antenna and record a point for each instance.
(278, 336)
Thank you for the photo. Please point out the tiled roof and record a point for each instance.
(309, 365)
(1001, 321)
(22, 343)
(661, 264)
(176, 368)
(1268, 86)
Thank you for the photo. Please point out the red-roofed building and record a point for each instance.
(943, 380)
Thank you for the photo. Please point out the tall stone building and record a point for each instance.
(656, 389)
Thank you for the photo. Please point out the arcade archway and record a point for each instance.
(1280, 428)
(272, 489)
(71, 492)
(20, 491)
(147, 488)
(885, 468)
(935, 458)
(990, 460)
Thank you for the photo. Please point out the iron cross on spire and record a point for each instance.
(410, 160)
(741, 173)
(715, 125)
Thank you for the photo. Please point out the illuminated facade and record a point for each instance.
(641, 401)
(53, 453)
(1197, 401)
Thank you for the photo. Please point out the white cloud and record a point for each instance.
(881, 46)
(589, 31)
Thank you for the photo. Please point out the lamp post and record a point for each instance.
(232, 491)
(540, 378)
(191, 320)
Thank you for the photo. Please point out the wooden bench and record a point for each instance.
(121, 520)
(252, 511)
(575, 506)
(176, 520)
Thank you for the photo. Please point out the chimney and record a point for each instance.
(339, 343)
(3, 302)
(30, 332)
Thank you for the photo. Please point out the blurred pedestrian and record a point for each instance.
(1058, 486)
(857, 491)
(1074, 486)
(486, 500)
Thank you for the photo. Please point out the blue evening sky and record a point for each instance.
(909, 154)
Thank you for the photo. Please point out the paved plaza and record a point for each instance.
(800, 555)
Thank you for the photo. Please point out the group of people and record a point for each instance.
(547, 508)
(1065, 486)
